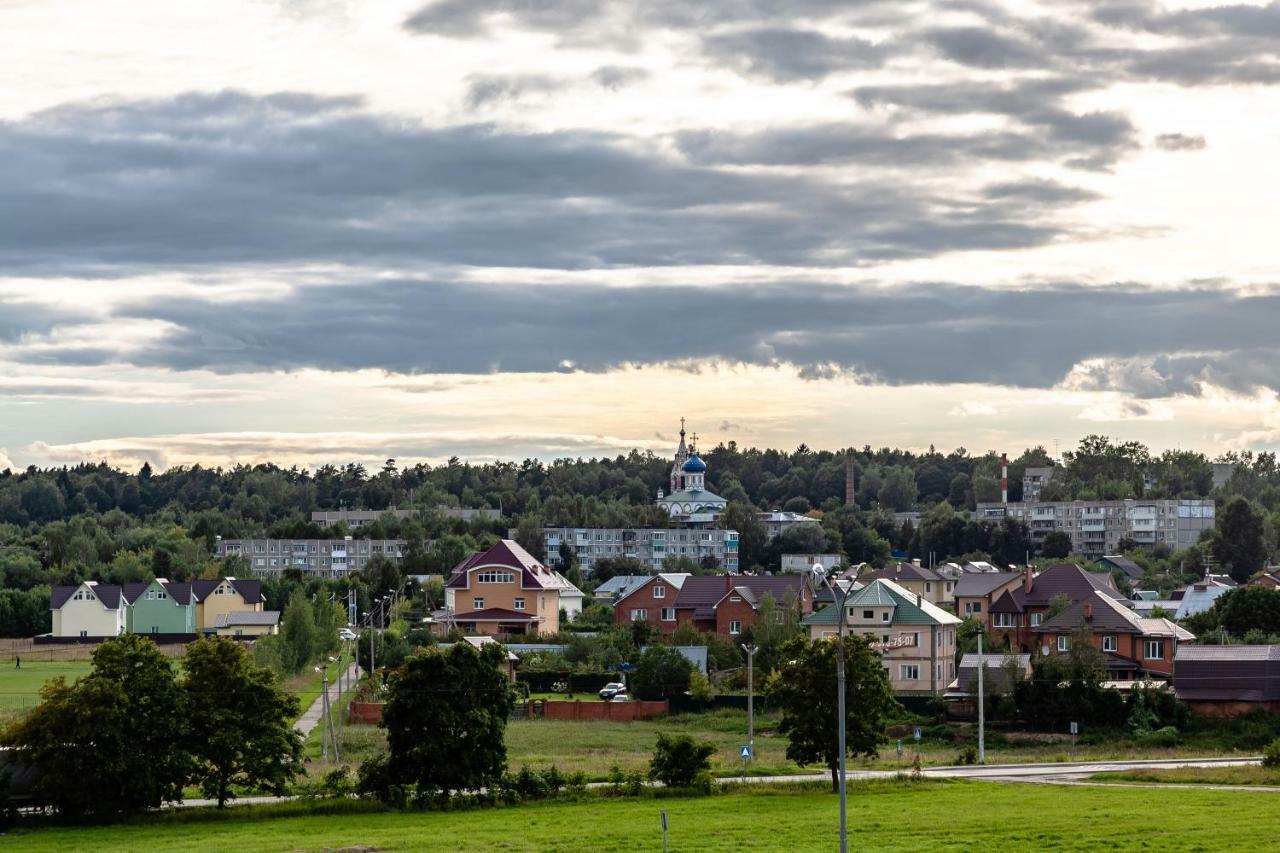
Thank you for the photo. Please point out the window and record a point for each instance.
(495, 577)
(1064, 644)
(908, 672)
(640, 615)
(884, 617)
(1006, 620)
(86, 633)
(868, 614)
(668, 614)
(659, 591)
(735, 627)
(735, 598)
(1155, 649)
(477, 604)
(977, 607)
(1035, 619)
(1110, 644)
(519, 605)
(928, 587)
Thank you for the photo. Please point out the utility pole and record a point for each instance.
(750, 649)
(839, 597)
(982, 710)
(324, 712)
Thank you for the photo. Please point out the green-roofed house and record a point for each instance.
(160, 607)
(916, 637)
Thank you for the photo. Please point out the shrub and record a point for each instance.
(1271, 755)
(1166, 736)
(623, 784)
(679, 761)
(967, 755)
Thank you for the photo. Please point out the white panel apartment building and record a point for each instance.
(1096, 527)
(324, 558)
(648, 545)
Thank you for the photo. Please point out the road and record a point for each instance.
(311, 717)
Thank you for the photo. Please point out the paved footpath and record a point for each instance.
(311, 718)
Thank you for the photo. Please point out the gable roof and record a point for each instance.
(675, 580)
(902, 572)
(1124, 564)
(908, 608)
(250, 590)
(495, 614)
(1061, 579)
(1109, 614)
(703, 593)
(506, 554)
(108, 594)
(620, 586)
(983, 583)
(131, 591)
(1198, 598)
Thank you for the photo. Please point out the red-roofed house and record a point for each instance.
(1018, 612)
(503, 591)
(720, 604)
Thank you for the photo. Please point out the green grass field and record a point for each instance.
(883, 817)
(1243, 775)
(20, 688)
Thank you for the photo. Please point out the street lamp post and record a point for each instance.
(839, 597)
(750, 649)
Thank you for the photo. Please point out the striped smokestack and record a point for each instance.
(1004, 478)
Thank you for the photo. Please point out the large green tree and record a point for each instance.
(1240, 545)
(804, 688)
(661, 673)
(241, 721)
(299, 644)
(115, 741)
(445, 717)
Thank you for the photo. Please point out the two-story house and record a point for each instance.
(219, 597)
(1017, 613)
(653, 600)
(88, 610)
(1134, 647)
(916, 638)
(160, 607)
(976, 591)
(715, 604)
(501, 592)
(917, 580)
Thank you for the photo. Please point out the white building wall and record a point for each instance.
(88, 616)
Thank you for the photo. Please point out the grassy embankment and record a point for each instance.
(1251, 775)
(883, 816)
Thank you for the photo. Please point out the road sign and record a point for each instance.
(917, 734)
(1075, 728)
(745, 752)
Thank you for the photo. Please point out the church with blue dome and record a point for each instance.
(688, 498)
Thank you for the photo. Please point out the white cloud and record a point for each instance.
(973, 408)
(5, 461)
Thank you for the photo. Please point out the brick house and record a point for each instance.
(721, 604)
(918, 580)
(975, 592)
(501, 592)
(653, 601)
(1017, 613)
(1227, 681)
(1134, 647)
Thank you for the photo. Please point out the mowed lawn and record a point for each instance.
(884, 817)
(20, 688)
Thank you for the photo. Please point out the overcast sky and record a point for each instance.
(328, 230)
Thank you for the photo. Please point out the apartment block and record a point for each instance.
(1096, 527)
(648, 545)
(323, 558)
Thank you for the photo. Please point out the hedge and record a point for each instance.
(543, 680)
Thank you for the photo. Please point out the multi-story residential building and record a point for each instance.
(1033, 481)
(324, 558)
(800, 564)
(1096, 527)
(357, 518)
(501, 592)
(1019, 611)
(776, 523)
(725, 605)
(648, 545)
(917, 580)
(916, 638)
(1133, 647)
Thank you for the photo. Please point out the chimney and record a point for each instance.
(1004, 479)
(728, 582)
(1088, 611)
(1026, 579)
(848, 481)
(916, 562)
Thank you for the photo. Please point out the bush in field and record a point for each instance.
(1271, 755)
(681, 762)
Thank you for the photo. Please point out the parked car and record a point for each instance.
(620, 697)
(612, 689)
(347, 634)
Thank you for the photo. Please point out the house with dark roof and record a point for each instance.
(1121, 563)
(1017, 613)
(500, 592)
(1227, 681)
(976, 591)
(218, 596)
(159, 607)
(248, 623)
(715, 604)
(916, 638)
(652, 600)
(1134, 646)
(88, 610)
(917, 579)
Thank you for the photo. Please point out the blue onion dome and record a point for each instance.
(694, 465)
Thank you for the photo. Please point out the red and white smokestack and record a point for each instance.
(1004, 478)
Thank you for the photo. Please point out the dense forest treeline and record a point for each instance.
(93, 521)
